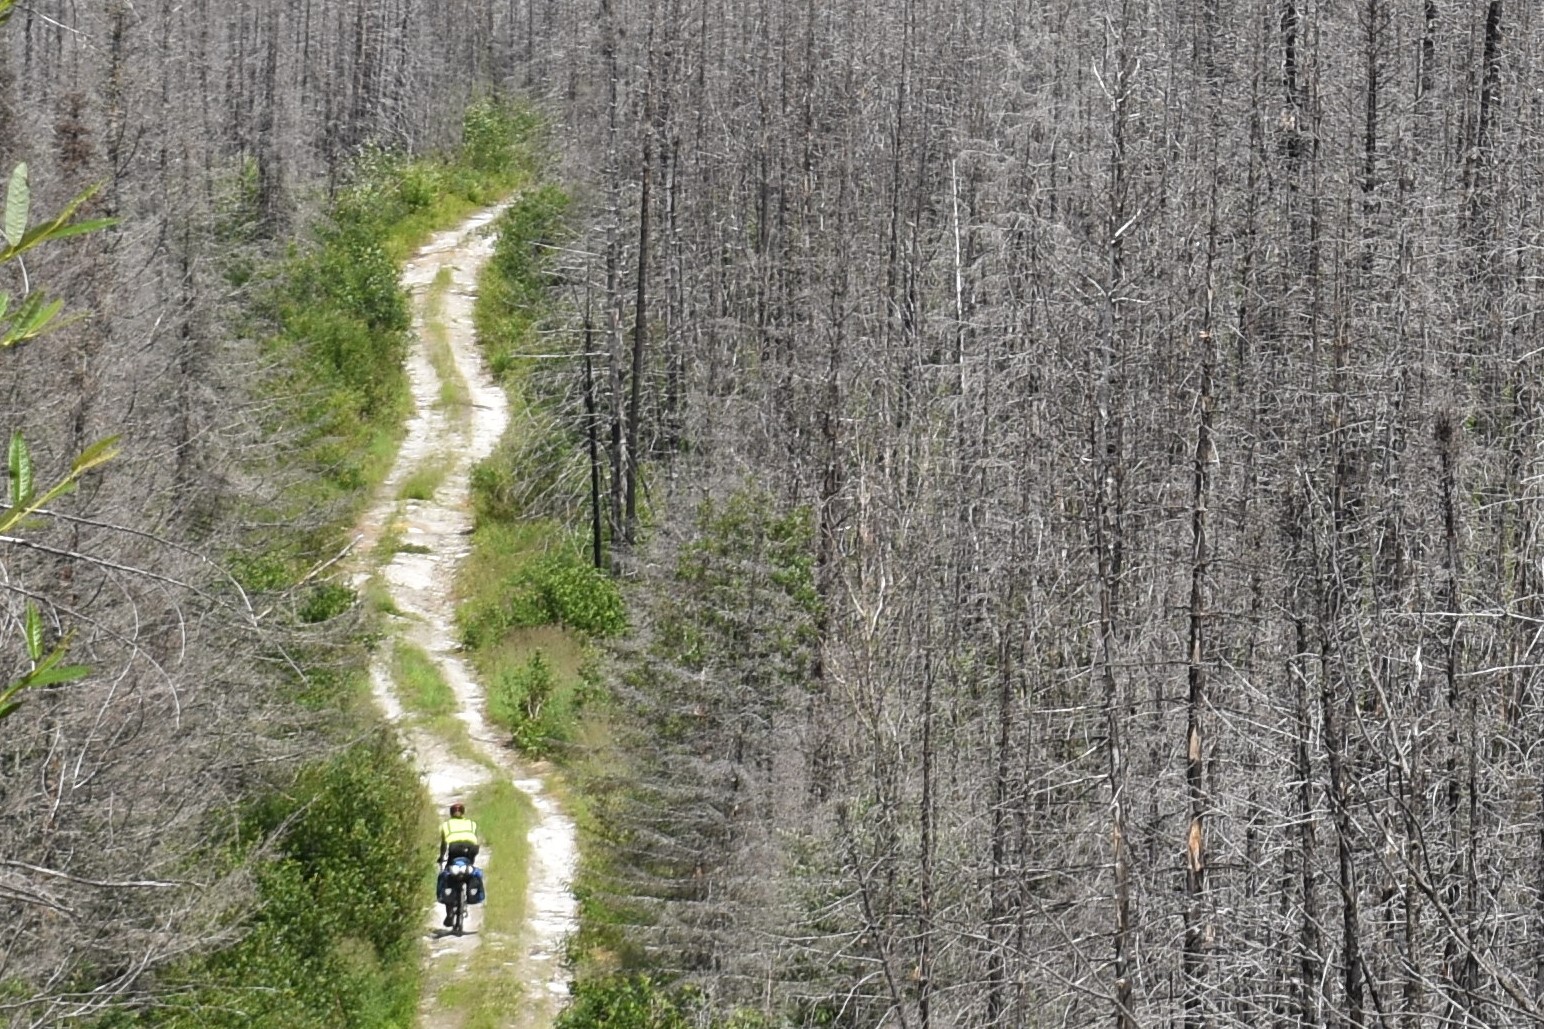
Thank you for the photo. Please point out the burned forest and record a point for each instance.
(1071, 470)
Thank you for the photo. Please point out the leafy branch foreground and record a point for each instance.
(34, 315)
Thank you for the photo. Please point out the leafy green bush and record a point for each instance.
(325, 601)
(260, 571)
(518, 698)
(580, 596)
(496, 136)
(630, 1002)
(333, 942)
(419, 185)
(559, 588)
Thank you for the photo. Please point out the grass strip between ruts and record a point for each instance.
(455, 395)
(420, 685)
(486, 992)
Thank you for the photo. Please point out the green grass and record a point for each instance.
(420, 685)
(424, 693)
(501, 548)
(563, 650)
(445, 209)
(484, 994)
(454, 396)
(379, 455)
(422, 483)
(390, 542)
(376, 597)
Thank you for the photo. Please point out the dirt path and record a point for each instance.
(433, 539)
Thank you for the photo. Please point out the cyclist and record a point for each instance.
(458, 838)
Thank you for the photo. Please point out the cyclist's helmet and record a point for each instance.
(457, 810)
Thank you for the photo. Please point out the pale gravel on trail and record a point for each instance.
(420, 584)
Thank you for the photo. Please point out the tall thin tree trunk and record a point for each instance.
(1337, 695)
(1310, 940)
(1000, 892)
(641, 306)
(1107, 467)
(592, 432)
(1478, 157)
(926, 886)
(1196, 929)
(614, 299)
(1426, 79)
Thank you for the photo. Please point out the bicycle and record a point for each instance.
(458, 879)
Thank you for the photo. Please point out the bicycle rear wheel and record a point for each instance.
(460, 905)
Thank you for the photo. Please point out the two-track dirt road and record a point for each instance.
(433, 537)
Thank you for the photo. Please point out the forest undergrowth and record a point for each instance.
(533, 603)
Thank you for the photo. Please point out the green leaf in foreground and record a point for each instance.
(33, 630)
(46, 669)
(19, 462)
(58, 227)
(99, 453)
(17, 201)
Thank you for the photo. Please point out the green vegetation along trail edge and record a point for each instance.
(410, 546)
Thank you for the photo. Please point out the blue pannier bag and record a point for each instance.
(476, 893)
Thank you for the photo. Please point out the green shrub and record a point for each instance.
(496, 136)
(419, 185)
(555, 589)
(325, 601)
(512, 296)
(519, 699)
(630, 1002)
(260, 571)
(333, 942)
(580, 596)
(530, 226)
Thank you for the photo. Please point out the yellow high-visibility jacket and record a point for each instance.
(457, 830)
